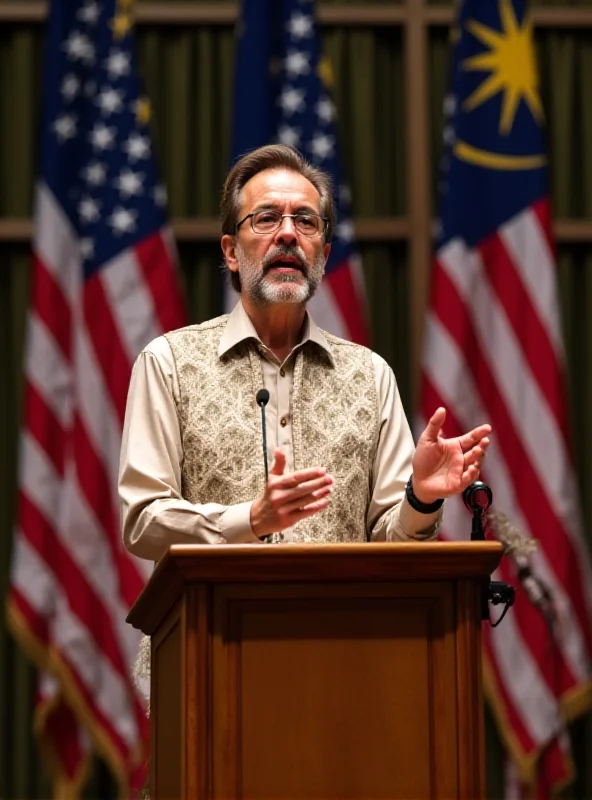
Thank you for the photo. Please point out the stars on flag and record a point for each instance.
(87, 248)
(65, 126)
(449, 105)
(117, 64)
(102, 137)
(322, 146)
(325, 109)
(110, 101)
(95, 173)
(292, 100)
(160, 196)
(70, 87)
(344, 231)
(88, 209)
(137, 147)
(344, 194)
(289, 136)
(108, 185)
(307, 111)
(129, 183)
(300, 26)
(79, 47)
(297, 63)
(122, 220)
(89, 13)
(448, 134)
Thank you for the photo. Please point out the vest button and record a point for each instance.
(283, 373)
(283, 422)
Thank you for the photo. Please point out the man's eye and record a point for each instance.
(267, 217)
(307, 222)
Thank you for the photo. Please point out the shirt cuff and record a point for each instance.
(416, 525)
(235, 524)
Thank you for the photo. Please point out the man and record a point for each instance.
(344, 465)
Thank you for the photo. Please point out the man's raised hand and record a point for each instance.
(443, 467)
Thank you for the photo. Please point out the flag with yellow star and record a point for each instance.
(494, 352)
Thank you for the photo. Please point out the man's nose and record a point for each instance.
(286, 233)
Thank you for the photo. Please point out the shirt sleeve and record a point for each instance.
(390, 517)
(154, 514)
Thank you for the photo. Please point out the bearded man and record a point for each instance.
(344, 465)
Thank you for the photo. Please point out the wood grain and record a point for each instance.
(184, 564)
(338, 692)
(317, 671)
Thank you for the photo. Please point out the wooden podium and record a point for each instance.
(291, 672)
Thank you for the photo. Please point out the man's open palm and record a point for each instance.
(443, 467)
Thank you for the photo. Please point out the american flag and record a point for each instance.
(282, 95)
(104, 283)
(494, 352)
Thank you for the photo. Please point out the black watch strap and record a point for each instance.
(423, 508)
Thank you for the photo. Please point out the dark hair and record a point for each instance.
(272, 156)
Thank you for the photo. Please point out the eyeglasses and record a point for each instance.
(270, 221)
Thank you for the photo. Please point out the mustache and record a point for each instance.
(283, 250)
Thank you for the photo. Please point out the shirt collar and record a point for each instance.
(239, 328)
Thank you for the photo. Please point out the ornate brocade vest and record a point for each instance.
(335, 424)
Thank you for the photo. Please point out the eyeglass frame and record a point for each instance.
(322, 232)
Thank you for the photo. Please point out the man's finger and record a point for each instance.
(279, 463)
(294, 479)
(434, 426)
(282, 496)
(307, 499)
(471, 474)
(309, 510)
(475, 436)
(476, 454)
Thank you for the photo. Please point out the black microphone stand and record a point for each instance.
(262, 399)
(478, 497)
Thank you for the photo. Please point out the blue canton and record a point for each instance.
(96, 150)
(280, 96)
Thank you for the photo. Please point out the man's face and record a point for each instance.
(285, 266)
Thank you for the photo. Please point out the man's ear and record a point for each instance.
(228, 245)
(326, 251)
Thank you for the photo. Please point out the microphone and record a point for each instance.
(477, 497)
(262, 399)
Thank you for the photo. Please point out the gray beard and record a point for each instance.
(265, 289)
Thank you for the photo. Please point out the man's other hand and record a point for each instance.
(289, 498)
(443, 467)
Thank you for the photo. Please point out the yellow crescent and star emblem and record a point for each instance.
(122, 22)
(509, 58)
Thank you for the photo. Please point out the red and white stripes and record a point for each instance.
(493, 352)
(72, 582)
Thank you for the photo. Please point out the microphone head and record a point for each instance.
(477, 497)
(262, 397)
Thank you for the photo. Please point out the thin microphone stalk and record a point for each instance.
(262, 399)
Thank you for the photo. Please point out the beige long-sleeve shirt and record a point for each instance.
(154, 513)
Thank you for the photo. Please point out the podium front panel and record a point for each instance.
(340, 692)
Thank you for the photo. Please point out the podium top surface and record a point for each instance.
(305, 563)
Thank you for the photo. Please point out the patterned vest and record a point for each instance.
(334, 417)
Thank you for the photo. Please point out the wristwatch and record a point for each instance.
(423, 508)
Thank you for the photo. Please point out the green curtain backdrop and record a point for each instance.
(188, 74)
